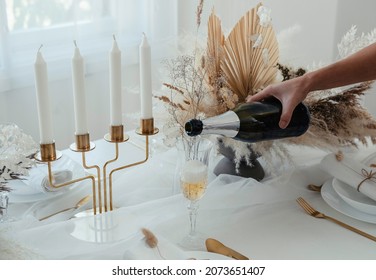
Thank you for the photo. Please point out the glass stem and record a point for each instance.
(193, 207)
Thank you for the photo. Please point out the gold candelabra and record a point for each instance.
(49, 154)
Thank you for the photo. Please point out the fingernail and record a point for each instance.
(282, 124)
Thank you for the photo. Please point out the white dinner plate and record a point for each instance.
(30, 188)
(44, 208)
(335, 201)
(41, 196)
(370, 159)
(354, 198)
(13, 198)
(20, 188)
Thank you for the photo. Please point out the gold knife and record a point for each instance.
(214, 246)
(80, 203)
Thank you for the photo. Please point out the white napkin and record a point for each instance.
(63, 170)
(40, 180)
(165, 250)
(44, 208)
(350, 171)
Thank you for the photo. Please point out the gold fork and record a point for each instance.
(313, 212)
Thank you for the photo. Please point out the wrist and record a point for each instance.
(308, 82)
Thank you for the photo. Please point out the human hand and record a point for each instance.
(290, 93)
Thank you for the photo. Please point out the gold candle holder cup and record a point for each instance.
(116, 134)
(48, 153)
(147, 127)
(82, 143)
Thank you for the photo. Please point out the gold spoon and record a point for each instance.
(80, 203)
(214, 246)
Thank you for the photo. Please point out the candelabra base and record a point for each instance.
(108, 227)
(90, 212)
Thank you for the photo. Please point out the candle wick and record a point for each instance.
(113, 36)
(40, 47)
(75, 43)
(143, 33)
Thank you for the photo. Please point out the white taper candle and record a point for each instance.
(43, 100)
(115, 85)
(78, 78)
(145, 79)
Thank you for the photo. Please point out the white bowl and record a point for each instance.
(354, 198)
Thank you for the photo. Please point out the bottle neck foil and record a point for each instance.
(226, 124)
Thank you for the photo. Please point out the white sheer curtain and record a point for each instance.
(26, 25)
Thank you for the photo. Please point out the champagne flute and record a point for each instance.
(193, 183)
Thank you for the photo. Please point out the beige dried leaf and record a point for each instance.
(214, 50)
(248, 67)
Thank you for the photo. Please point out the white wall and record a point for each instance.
(321, 23)
(316, 20)
(359, 13)
(3, 107)
(362, 14)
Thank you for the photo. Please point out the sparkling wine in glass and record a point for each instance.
(193, 180)
(193, 183)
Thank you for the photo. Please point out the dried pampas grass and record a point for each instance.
(337, 117)
(340, 120)
(199, 10)
(151, 240)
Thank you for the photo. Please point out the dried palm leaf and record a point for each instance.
(250, 55)
(214, 48)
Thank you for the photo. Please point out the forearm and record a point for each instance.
(358, 67)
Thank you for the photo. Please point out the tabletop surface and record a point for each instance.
(261, 220)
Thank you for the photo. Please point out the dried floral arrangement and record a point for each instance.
(221, 75)
(214, 80)
(16, 153)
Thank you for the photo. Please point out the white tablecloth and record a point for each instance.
(259, 219)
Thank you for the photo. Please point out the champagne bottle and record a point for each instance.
(253, 122)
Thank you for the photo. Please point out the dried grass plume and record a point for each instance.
(150, 239)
